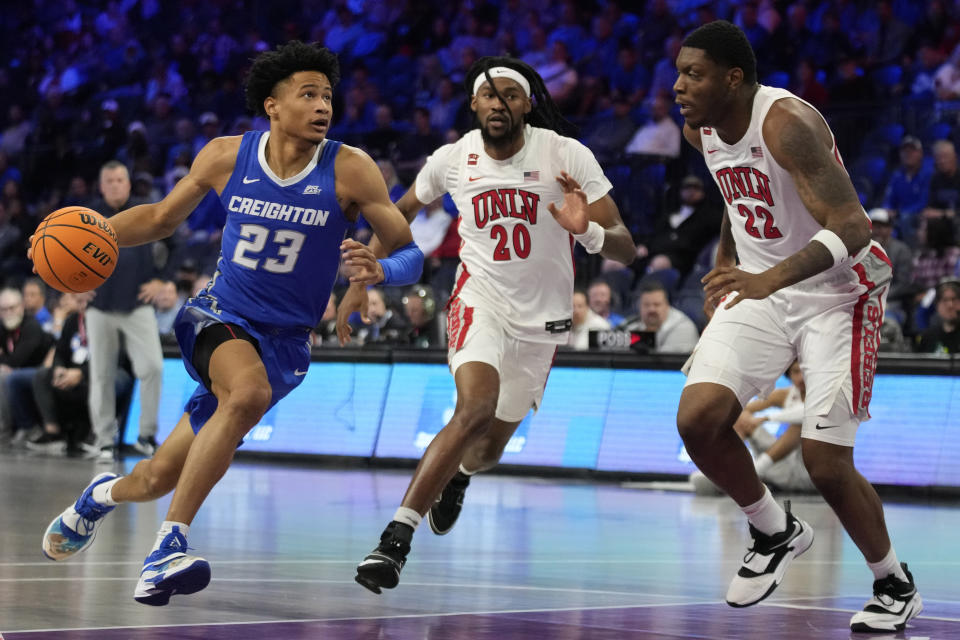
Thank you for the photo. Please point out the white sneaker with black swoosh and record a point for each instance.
(767, 560)
(893, 604)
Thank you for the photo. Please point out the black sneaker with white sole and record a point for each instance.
(767, 560)
(893, 604)
(445, 511)
(381, 568)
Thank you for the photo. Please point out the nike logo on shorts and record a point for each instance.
(247, 180)
(472, 178)
(831, 426)
(297, 372)
(709, 151)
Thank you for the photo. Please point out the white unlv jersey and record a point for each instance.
(514, 256)
(768, 219)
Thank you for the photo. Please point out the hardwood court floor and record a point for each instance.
(529, 558)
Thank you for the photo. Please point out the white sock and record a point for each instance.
(406, 515)
(766, 515)
(167, 528)
(464, 471)
(103, 493)
(888, 565)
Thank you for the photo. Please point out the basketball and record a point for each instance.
(74, 249)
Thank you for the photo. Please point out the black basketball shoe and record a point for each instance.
(894, 602)
(445, 511)
(381, 568)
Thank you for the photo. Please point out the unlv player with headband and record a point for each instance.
(525, 192)
(810, 285)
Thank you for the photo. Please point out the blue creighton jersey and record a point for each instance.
(281, 242)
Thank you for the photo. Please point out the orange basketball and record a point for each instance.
(74, 249)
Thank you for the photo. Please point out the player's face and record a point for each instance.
(501, 122)
(302, 106)
(704, 89)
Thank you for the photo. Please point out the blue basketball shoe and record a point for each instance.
(73, 530)
(169, 570)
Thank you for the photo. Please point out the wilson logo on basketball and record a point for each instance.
(100, 223)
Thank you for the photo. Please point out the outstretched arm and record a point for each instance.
(148, 222)
(612, 239)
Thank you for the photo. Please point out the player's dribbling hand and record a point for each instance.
(573, 215)
(361, 264)
(723, 281)
(355, 299)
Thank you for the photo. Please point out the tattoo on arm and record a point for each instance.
(823, 184)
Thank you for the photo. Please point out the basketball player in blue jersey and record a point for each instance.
(289, 194)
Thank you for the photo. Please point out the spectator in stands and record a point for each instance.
(445, 106)
(944, 198)
(946, 82)
(679, 236)
(23, 346)
(385, 326)
(675, 332)
(121, 307)
(909, 188)
(167, 303)
(944, 334)
(209, 129)
(610, 131)
(806, 86)
(659, 137)
(414, 147)
(60, 387)
(902, 288)
(601, 300)
(78, 193)
(35, 302)
(559, 76)
(585, 320)
(13, 139)
(420, 309)
(922, 75)
(887, 39)
(381, 142)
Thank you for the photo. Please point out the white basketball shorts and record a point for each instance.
(834, 331)
(476, 334)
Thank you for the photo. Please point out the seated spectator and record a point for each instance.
(675, 332)
(901, 257)
(909, 188)
(778, 460)
(558, 76)
(660, 136)
(601, 300)
(946, 82)
(943, 336)
(944, 198)
(420, 308)
(585, 320)
(35, 302)
(680, 236)
(23, 346)
(607, 136)
(60, 387)
(415, 146)
(167, 303)
(385, 327)
(325, 333)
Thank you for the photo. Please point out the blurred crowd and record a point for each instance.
(148, 83)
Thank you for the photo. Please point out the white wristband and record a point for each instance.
(833, 243)
(592, 238)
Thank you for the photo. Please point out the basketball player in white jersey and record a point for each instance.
(809, 285)
(525, 192)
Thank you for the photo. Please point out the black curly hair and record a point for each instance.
(544, 112)
(272, 67)
(727, 45)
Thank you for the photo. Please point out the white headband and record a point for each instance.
(503, 72)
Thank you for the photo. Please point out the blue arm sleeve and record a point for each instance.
(404, 265)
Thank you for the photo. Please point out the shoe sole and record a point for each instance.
(194, 578)
(864, 627)
(433, 525)
(43, 545)
(378, 578)
(790, 557)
